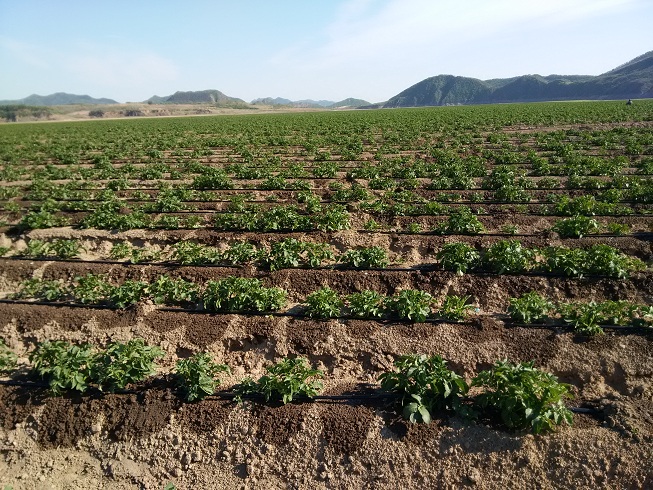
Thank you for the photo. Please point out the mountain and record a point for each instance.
(198, 97)
(60, 98)
(307, 103)
(271, 101)
(155, 99)
(349, 103)
(318, 103)
(632, 80)
(442, 90)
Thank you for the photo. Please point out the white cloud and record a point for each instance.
(378, 47)
(414, 28)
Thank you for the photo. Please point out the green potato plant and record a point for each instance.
(523, 397)
(284, 381)
(197, 376)
(425, 385)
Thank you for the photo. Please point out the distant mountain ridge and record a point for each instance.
(197, 97)
(632, 80)
(59, 98)
(306, 103)
(327, 104)
(349, 102)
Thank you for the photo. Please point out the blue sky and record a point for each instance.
(318, 49)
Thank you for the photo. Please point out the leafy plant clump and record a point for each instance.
(365, 258)
(63, 249)
(324, 303)
(425, 385)
(290, 253)
(411, 304)
(238, 253)
(191, 253)
(242, 294)
(366, 304)
(41, 290)
(197, 376)
(575, 227)
(283, 382)
(531, 307)
(458, 257)
(128, 293)
(461, 222)
(524, 396)
(123, 363)
(508, 257)
(166, 290)
(606, 260)
(64, 366)
(585, 318)
(455, 308)
(8, 358)
(91, 288)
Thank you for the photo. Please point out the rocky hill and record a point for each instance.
(306, 103)
(632, 80)
(197, 97)
(59, 98)
(349, 102)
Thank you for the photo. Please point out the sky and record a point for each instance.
(305, 49)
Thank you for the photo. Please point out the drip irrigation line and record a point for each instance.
(563, 326)
(60, 304)
(421, 268)
(488, 202)
(290, 314)
(230, 395)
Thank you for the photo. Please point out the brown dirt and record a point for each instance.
(148, 437)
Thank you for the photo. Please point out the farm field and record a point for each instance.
(518, 232)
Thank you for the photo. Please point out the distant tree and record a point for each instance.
(11, 113)
(133, 113)
(96, 113)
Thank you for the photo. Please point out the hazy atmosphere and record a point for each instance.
(369, 49)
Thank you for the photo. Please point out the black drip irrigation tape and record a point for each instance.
(59, 305)
(484, 202)
(422, 268)
(562, 326)
(384, 321)
(288, 314)
(542, 234)
(229, 395)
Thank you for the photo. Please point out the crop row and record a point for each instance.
(502, 257)
(525, 397)
(345, 134)
(441, 166)
(503, 184)
(586, 318)
(169, 199)
(114, 215)
(246, 295)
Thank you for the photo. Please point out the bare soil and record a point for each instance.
(147, 436)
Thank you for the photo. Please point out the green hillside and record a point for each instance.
(214, 97)
(59, 98)
(349, 102)
(632, 80)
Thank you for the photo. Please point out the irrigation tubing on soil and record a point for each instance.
(335, 268)
(288, 314)
(230, 395)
